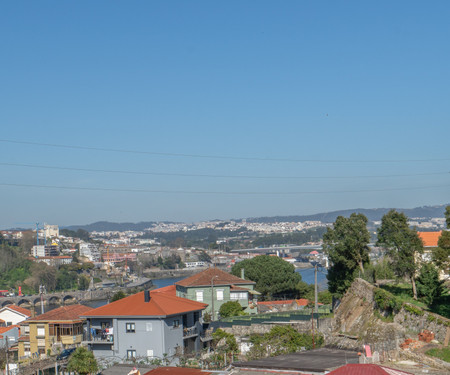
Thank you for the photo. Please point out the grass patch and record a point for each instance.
(403, 292)
(443, 353)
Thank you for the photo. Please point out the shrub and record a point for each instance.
(386, 301)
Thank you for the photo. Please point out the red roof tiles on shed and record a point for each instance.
(430, 239)
(160, 304)
(220, 278)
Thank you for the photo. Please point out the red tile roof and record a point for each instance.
(430, 239)
(177, 371)
(268, 303)
(160, 304)
(63, 313)
(217, 276)
(366, 369)
(170, 289)
(19, 309)
(6, 329)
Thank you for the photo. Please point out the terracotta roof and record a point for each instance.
(24, 338)
(430, 239)
(160, 304)
(234, 287)
(366, 369)
(220, 278)
(170, 289)
(63, 313)
(19, 309)
(177, 371)
(303, 302)
(6, 329)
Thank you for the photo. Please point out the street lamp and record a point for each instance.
(212, 297)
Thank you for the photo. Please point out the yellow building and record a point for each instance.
(60, 328)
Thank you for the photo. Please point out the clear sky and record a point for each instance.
(228, 109)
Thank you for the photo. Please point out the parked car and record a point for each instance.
(65, 354)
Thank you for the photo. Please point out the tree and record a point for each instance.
(83, 282)
(347, 247)
(118, 295)
(447, 216)
(274, 277)
(429, 287)
(231, 308)
(402, 244)
(83, 362)
(441, 254)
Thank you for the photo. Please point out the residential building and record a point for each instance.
(90, 251)
(55, 261)
(51, 231)
(146, 325)
(10, 334)
(45, 250)
(59, 328)
(13, 314)
(216, 287)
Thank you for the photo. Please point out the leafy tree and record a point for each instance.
(83, 362)
(118, 295)
(83, 282)
(429, 287)
(447, 216)
(204, 257)
(402, 243)
(273, 276)
(231, 308)
(441, 254)
(346, 245)
(225, 341)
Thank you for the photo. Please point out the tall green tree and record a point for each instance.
(441, 254)
(429, 287)
(83, 362)
(274, 277)
(447, 216)
(347, 247)
(403, 245)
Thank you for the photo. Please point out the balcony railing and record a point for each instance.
(190, 331)
(99, 339)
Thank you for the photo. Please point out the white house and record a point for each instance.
(13, 314)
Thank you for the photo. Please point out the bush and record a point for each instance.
(429, 287)
(386, 301)
(231, 308)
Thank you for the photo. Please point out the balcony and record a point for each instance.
(70, 340)
(99, 339)
(190, 332)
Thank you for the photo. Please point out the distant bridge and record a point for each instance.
(62, 298)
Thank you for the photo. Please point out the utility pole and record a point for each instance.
(7, 357)
(42, 291)
(316, 308)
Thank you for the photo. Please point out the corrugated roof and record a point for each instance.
(177, 371)
(430, 239)
(19, 309)
(366, 369)
(63, 313)
(160, 304)
(217, 276)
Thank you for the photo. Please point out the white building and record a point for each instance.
(13, 314)
(90, 251)
(51, 231)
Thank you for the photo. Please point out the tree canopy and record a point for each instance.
(274, 277)
(231, 308)
(402, 244)
(347, 247)
(83, 362)
(429, 287)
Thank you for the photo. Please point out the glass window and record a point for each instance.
(199, 295)
(176, 323)
(131, 354)
(149, 352)
(219, 294)
(130, 327)
(149, 327)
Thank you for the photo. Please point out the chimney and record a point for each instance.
(147, 295)
(242, 273)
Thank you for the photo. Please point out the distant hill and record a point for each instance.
(372, 214)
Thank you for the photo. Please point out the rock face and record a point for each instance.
(356, 322)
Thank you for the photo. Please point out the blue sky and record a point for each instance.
(348, 99)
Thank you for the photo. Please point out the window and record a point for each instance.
(176, 323)
(104, 325)
(196, 316)
(149, 352)
(237, 296)
(40, 331)
(131, 354)
(130, 327)
(148, 327)
(219, 294)
(199, 295)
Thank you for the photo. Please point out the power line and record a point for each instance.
(226, 157)
(219, 192)
(217, 175)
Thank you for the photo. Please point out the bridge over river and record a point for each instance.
(62, 298)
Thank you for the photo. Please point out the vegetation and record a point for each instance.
(387, 301)
(229, 343)
(346, 245)
(231, 308)
(118, 295)
(296, 238)
(80, 233)
(83, 362)
(441, 353)
(402, 244)
(441, 254)
(281, 340)
(274, 277)
(429, 287)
